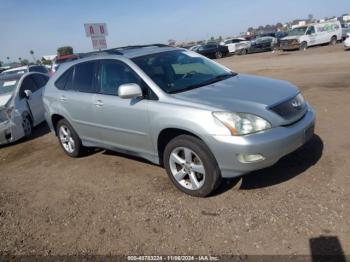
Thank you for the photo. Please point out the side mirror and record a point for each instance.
(27, 93)
(128, 91)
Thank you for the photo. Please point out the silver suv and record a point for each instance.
(176, 108)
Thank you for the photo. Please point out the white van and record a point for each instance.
(314, 34)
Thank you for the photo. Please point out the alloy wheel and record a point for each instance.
(27, 126)
(187, 168)
(66, 139)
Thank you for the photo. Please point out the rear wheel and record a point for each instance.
(218, 55)
(244, 52)
(303, 46)
(333, 40)
(191, 166)
(69, 139)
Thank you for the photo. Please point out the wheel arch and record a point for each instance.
(168, 134)
(55, 118)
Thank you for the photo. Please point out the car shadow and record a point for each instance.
(130, 157)
(38, 131)
(287, 168)
(326, 248)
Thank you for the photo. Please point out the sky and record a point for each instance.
(45, 25)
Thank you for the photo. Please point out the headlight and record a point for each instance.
(242, 123)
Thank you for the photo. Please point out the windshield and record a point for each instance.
(178, 71)
(297, 31)
(7, 85)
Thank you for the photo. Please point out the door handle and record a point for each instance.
(99, 103)
(63, 98)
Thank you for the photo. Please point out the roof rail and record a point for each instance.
(118, 50)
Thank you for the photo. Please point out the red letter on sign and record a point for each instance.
(102, 30)
(92, 30)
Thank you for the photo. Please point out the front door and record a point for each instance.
(34, 102)
(122, 123)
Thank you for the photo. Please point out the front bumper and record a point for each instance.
(290, 46)
(272, 144)
(11, 130)
(347, 45)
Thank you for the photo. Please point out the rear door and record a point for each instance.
(122, 123)
(77, 87)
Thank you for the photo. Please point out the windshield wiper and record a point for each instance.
(208, 82)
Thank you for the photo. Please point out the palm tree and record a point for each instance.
(8, 58)
(32, 53)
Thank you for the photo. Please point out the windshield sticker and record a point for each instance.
(9, 83)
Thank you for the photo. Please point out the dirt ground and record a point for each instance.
(108, 203)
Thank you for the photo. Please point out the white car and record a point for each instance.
(311, 35)
(347, 42)
(233, 43)
(26, 69)
(21, 105)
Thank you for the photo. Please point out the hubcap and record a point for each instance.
(187, 168)
(27, 127)
(66, 139)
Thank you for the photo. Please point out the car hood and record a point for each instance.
(241, 93)
(4, 99)
(291, 37)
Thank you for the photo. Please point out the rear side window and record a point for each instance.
(84, 75)
(40, 80)
(61, 83)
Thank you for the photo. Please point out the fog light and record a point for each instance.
(243, 158)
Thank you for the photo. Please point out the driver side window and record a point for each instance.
(311, 30)
(112, 74)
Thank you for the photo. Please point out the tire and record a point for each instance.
(27, 125)
(244, 52)
(189, 181)
(69, 139)
(333, 41)
(303, 46)
(218, 55)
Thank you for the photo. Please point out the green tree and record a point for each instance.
(1, 63)
(20, 59)
(212, 38)
(65, 50)
(24, 62)
(45, 62)
(8, 58)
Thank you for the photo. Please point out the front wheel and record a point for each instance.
(69, 139)
(303, 46)
(27, 126)
(191, 166)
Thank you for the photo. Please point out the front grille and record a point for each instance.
(291, 109)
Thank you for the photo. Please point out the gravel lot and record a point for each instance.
(108, 203)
